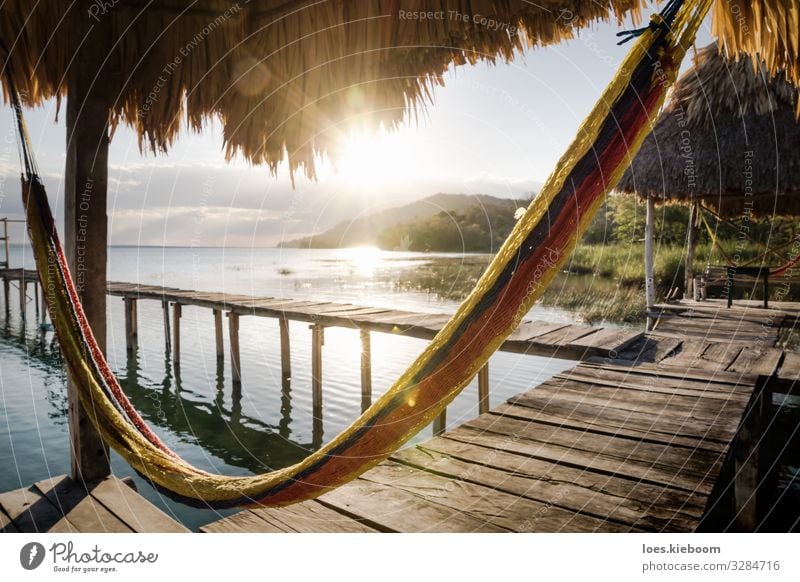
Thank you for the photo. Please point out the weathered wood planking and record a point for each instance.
(595, 448)
(538, 338)
(60, 505)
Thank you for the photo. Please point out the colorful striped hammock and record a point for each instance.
(540, 243)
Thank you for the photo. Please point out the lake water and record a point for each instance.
(196, 411)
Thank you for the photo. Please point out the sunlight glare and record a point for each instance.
(372, 160)
(364, 260)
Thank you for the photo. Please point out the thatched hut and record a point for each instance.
(726, 141)
(280, 76)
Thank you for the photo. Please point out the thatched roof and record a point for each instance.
(283, 75)
(728, 137)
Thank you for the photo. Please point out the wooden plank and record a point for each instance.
(311, 517)
(601, 424)
(527, 331)
(720, 355)
(612, 465)
(6, 525)
(243, 522)
(611, 417)
(673, 386)
(689, 462)
(754, 361)
(511, 512)
(29, 510)
(713, 379)
(565, 336)
(672, 406)
(138, 513)
(390, 509)
(607, 341)
(82, 513)
(790, 368)
(572, 489)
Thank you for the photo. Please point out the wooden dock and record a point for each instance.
(59, 505)
(607, 446)
(650, 432)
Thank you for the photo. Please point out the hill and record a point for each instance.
(442, 222)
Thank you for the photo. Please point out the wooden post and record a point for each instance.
(23, 284)
(5, 241)
(85, 215)
(176, 334)
(131, 325)
(747, 456)
(167, 338)
(649, 278)
(44, 305)
(317, 341)
(36, 297)
(691, 243)
(439, 423)
(286, 356)
(7, 295)
(236, 361)
(218, 334)
(483, 389)
(366, 370)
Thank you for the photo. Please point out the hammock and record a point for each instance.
(539, 244)
(787, 265)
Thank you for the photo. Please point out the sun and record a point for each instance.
(369, 160)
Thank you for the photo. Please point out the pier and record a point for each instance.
(654, 431)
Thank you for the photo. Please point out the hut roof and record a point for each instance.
(282, 75)
(727, 137)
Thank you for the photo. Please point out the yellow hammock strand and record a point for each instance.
(539, 244)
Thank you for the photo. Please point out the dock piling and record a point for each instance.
(176, 334)
(220, 344)
(366, 370)
(236, 361)
(131, 325)
(286, 359)
(317, 341)
(483, 389)
(439, 423)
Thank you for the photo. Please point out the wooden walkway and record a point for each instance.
(59, 505)
(597, 448)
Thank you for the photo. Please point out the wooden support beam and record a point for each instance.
(236, 360)
(36, 297)
(286, 355)
(483, 389)
(691, 243)
(43, 297)
(747, 459)
(131, 325)
(85, 216)
(167, 335)
(176, 334)
(439, 423)
(220, 342)
(7, 295)
(317, 341)
(649, 279)
(23, 284)
(366, 370)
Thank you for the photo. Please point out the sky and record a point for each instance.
(492, 129)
